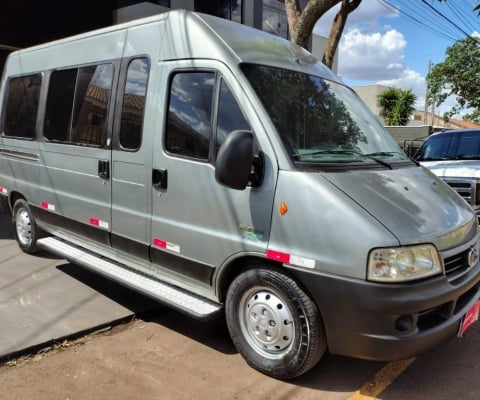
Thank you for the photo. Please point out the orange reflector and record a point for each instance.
(283, 208)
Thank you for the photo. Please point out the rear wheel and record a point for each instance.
(24, 227)
(274, 324)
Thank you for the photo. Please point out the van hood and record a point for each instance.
(454, 168)
(412, 203)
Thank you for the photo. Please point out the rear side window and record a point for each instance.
(468, 145)
(77, 105)
(189, 126)
(22, 106)
(133, 105)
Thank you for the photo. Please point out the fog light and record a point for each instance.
(404, 324)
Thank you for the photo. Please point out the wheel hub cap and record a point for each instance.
(267, 323)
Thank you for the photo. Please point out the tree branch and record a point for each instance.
(336, 30)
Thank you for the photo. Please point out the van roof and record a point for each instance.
(191, 35)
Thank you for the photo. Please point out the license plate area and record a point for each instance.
(470, 317)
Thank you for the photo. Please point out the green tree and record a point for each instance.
(301, 22)
(458, 75)
(396, 106)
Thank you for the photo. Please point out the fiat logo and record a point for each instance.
(472, 257)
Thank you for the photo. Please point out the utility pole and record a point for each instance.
(425, 112)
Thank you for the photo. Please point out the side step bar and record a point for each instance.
(180, 299)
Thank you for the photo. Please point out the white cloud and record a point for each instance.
(409, 80)
(372, 56)
(365, 15)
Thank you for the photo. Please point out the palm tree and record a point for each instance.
(396, 106)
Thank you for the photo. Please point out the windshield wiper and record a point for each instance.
(383, 153)
(369, 156)
(313, 153)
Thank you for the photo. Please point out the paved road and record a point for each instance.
(170, 356)
(43, 298)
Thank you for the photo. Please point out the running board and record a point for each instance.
(182, 300)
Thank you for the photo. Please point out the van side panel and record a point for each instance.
(132, 168)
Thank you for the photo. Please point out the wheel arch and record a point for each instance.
(13, 197)
(233, 267)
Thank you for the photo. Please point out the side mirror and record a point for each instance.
(234, 160)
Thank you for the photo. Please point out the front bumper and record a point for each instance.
(386, 322)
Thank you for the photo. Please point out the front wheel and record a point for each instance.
(24, 227)
(274, 324)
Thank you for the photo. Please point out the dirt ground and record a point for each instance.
(171, 358)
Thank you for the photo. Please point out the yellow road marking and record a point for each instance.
(382, 379)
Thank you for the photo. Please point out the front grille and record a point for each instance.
(467, 188)
(456, 265)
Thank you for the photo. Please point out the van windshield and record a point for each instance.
(320, 121)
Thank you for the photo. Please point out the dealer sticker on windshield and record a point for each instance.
(470, 317)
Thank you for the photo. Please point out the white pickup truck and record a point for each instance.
(454, 156)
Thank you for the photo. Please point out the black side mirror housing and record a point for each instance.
(234, 160)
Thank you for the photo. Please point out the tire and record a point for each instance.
(274, 324)
(24, 227)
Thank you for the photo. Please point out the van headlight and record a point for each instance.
(399, 264)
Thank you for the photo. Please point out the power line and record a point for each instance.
(432, 20)
(445, 18)
(416, 21)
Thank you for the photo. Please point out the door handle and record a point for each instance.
(104, 169)
(159, 178)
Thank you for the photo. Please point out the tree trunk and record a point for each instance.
(301, 23)
(336, 30)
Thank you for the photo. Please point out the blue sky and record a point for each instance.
(393, 45)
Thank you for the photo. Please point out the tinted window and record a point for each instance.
(133, 105)
(22, 106)
(90, 111)
(77, 105)
(435, 148)
(189, 114)
(468, 145)
(59, 105)
(230, 117)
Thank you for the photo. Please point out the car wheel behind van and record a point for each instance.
(274, 324)
(24, 227)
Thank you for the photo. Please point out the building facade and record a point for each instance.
(45, 21)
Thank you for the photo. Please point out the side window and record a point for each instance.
(59, 105)
(133, 105)
(77, 105)
(230, 117)
(189, 114)
(468, 145)
(434, 148)
(22, 106)
(90, 110)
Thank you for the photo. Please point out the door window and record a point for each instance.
(230, 117)
(189, 125)
(191, 112)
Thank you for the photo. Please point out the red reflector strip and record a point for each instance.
(278, 256)
(166, 245)
(47, 206)
(3, 190)
(97, 222)
(160, 243)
